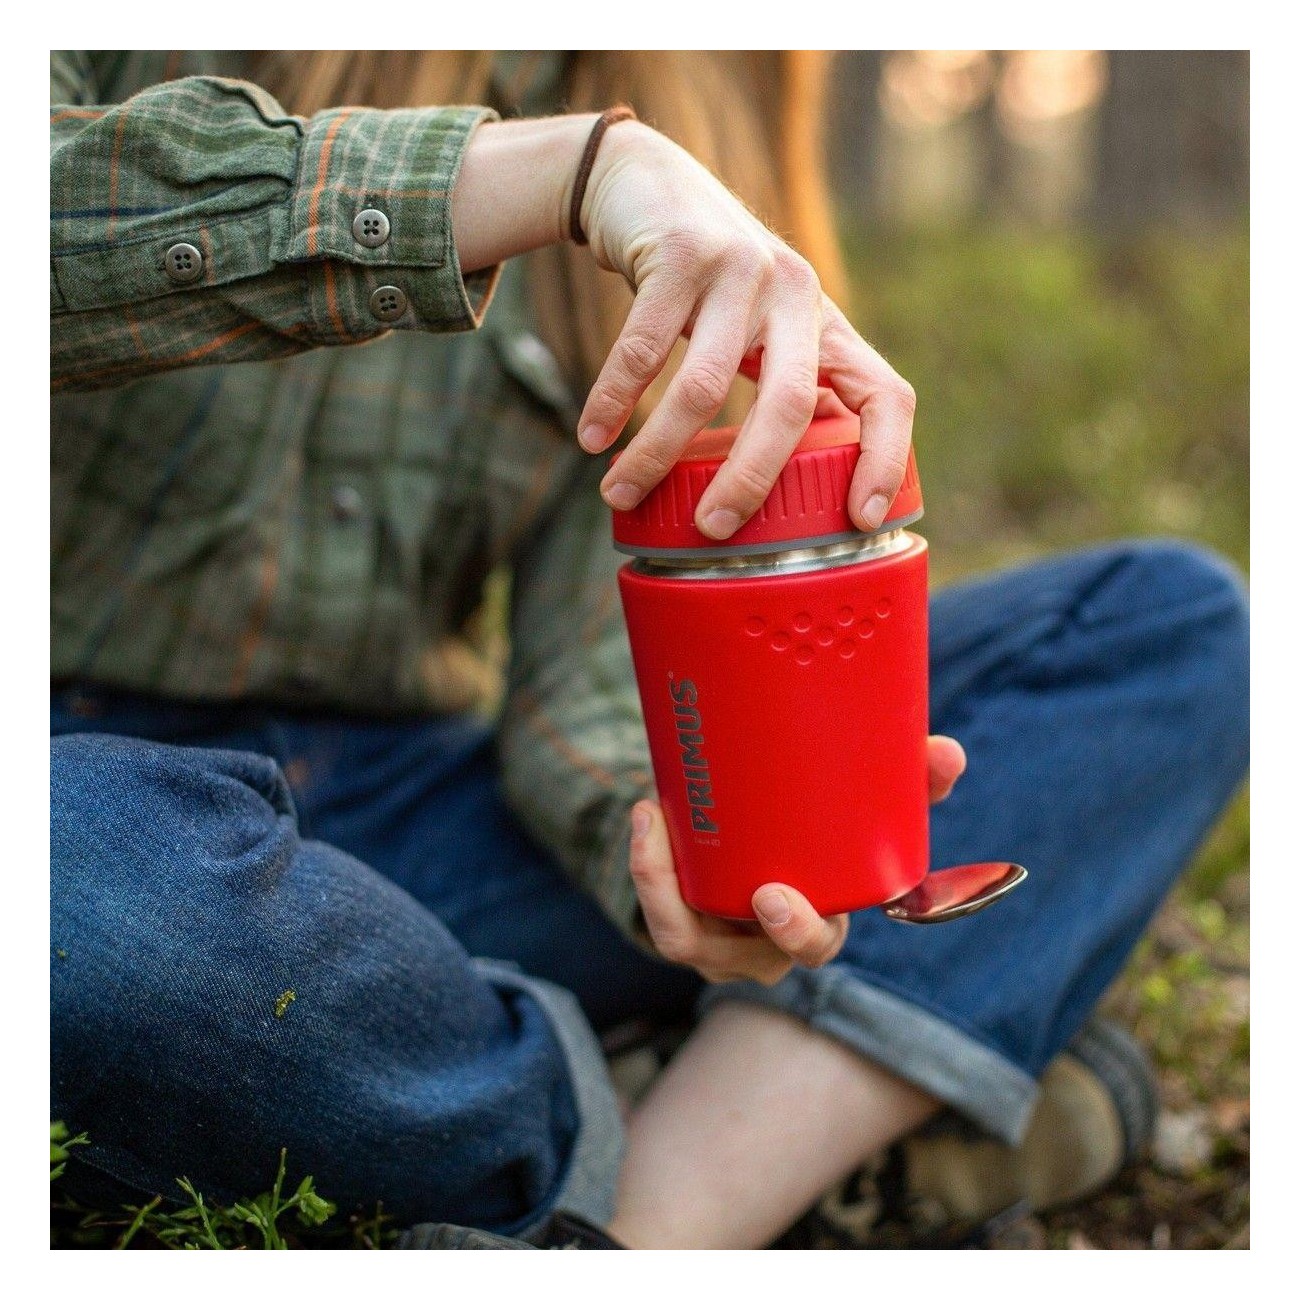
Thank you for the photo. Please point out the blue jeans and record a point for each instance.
(272, 929)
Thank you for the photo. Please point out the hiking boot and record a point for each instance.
(562, 1231)
(565, 1231)
(949, 1183)
(450, 1236)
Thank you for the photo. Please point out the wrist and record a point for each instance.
(564, 213)
(515, 186)
(629, 144)
(610, 117)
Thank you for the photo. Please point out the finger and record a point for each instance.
(947, 761)
(654, 323)
(673, 926)
(793, 925)
(787, 398)
(829, 405)
(679, 933)
(885, 404)
(719, 338)
(742, 958)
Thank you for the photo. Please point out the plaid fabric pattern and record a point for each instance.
(239, 512)
(268, 200)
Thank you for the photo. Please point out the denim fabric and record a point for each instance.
(223, 987)
(1102, 700)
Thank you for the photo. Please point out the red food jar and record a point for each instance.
(783, 676)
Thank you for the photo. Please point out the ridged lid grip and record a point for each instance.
(808, 503)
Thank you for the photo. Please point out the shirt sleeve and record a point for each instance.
(574, 754)
(198, 222)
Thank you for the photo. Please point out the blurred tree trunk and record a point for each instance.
(796, 88)
(1174, 136)
(994, 197)
(853, 135)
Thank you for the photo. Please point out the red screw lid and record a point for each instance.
(808, 503)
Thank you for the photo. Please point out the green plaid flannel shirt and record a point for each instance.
(242, 510)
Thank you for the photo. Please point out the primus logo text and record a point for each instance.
(695, 767)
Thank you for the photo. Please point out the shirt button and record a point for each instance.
(370, 227)
(183, 263)
(387, 302)
(346, 503)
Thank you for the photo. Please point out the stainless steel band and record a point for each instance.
(853, 548)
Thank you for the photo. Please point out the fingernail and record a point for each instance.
(593, 437)
(873, 513)
(772, 907)
(720, 523)
(622, 496)
(640, 822)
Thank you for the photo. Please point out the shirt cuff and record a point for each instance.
(402, 164)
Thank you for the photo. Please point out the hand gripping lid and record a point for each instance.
(808, 503)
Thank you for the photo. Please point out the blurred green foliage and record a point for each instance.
(1071, 388)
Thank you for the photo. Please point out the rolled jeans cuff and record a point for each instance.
(587, 1185)
(918, 1046)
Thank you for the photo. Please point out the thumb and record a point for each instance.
(790, 921)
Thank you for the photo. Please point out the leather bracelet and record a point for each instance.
(619, 113)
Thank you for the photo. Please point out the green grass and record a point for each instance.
(276, 1219)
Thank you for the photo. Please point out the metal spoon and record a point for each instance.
(955, 891)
